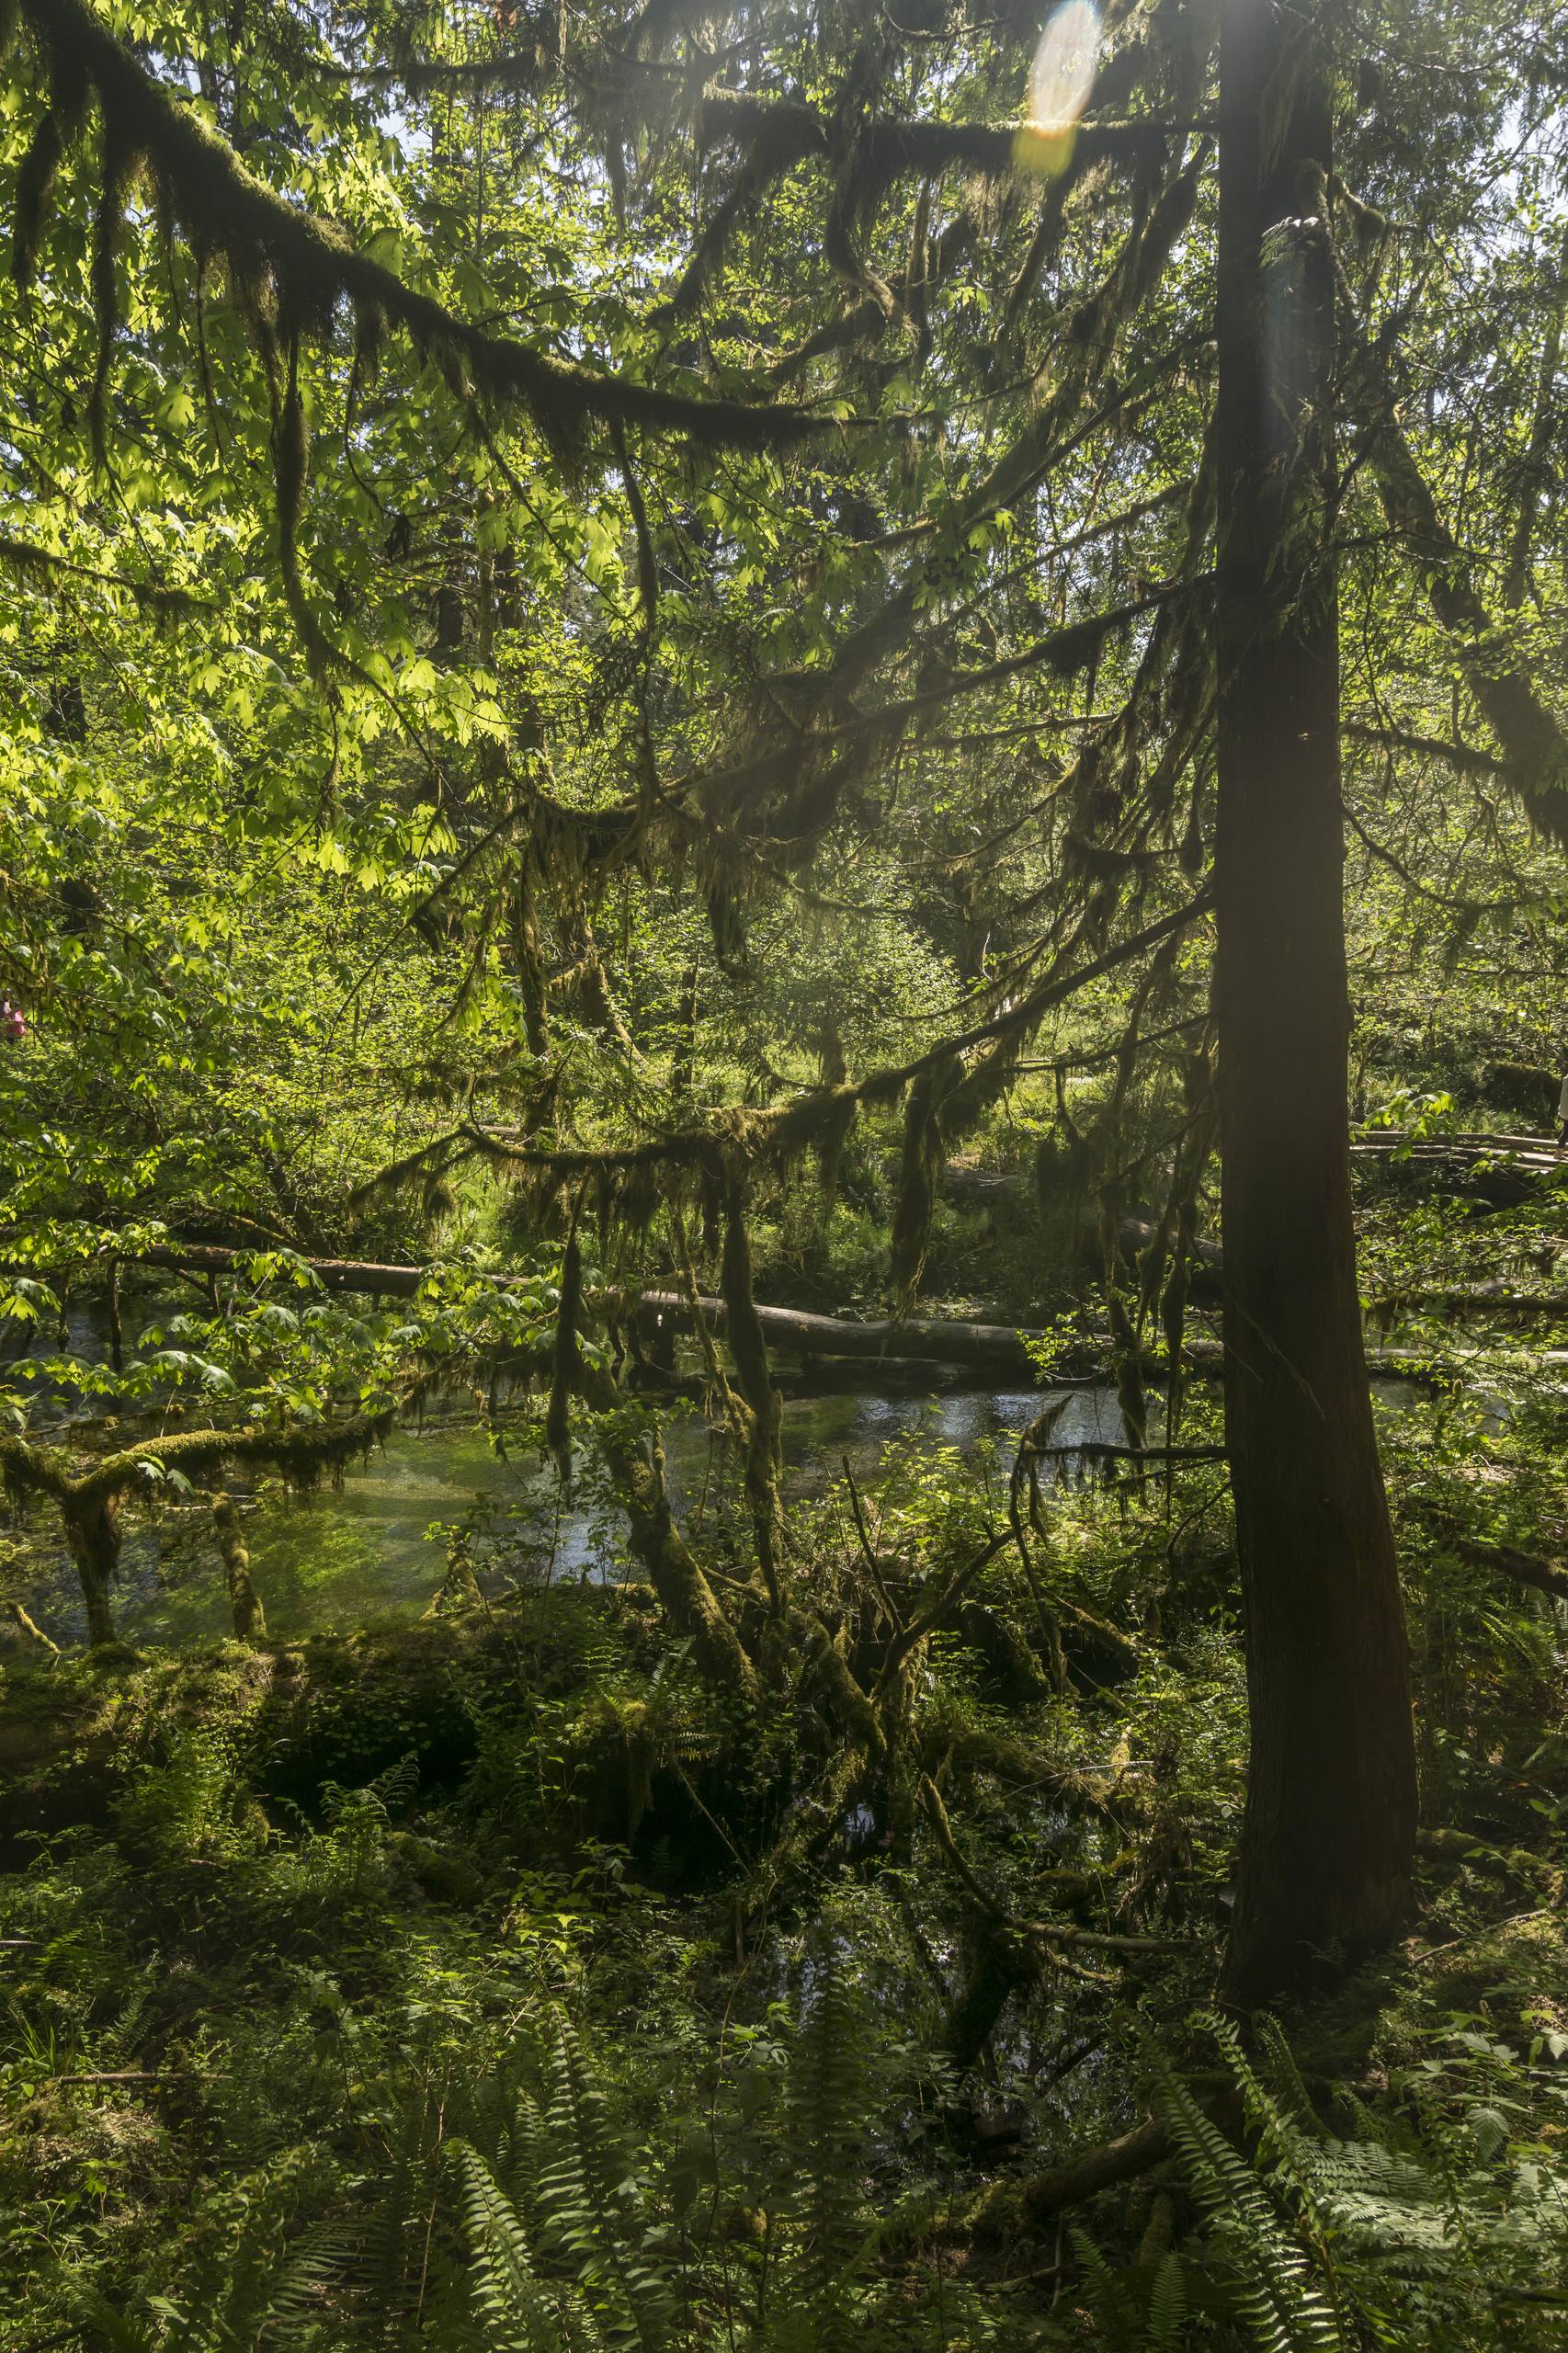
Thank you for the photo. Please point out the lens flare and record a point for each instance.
(1060, 79)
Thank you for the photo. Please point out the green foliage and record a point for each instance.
(577, 2199)
(409, 2120)
(1436, 2223)
(437, 812)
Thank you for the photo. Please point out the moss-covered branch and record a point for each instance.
(90, 1499)
(250, 1621)
(303, 268)
(44, 564)
(1535, 750)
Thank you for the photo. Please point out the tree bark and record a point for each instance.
(92, 1531)
(250, 1621)
(28, 1628)
(1330, 1823)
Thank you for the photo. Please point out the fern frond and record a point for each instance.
(1108, 2301)
(827, 2096)
(121, 2331)
(593, 2208)
(1165, 2331)
(507, 2288)
(1277, 2297)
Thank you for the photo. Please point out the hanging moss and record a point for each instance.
(919, 1169)
(632, 1182)
(290, 457)
(1065, 1160)
(588, 979)
(765, 1419)
(566, 1362)
(115, 172)
(308, 267)
(770, 135)
(412, 1167)
(91, 1522)
(830, 1147)
(1535, 748)
(1127, 1357)
(35, 180)
(90, 1500)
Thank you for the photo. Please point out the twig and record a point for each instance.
(942, 1828)
(907, 1636)
(873, 1564)
(129, 2076)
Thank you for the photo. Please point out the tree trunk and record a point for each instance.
(92, 1531)
(764, 1415)
(1330, 1825)
(250, 1621)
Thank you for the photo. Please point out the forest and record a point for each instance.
(783, 1176)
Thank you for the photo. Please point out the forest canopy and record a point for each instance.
(783, 801)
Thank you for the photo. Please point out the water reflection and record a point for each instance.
(377, 1549)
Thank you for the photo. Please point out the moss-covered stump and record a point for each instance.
(337, 1708)
(654, 1770)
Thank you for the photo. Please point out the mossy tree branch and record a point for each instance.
(90, 1500)
(305, 268)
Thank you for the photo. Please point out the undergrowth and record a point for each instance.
(480, 1986)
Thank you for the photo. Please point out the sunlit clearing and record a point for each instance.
(1061, 78)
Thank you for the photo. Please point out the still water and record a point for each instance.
(377, 1549)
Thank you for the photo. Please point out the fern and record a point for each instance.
(1276, 2295)
(307, 2281)
(593, 2209)
(505, 2202)
(1318, 2244)
(127, 2332)
(520, 2317)
(1142, 2308)
(826, 2127)
(1167, 2306)
(1109, 2294)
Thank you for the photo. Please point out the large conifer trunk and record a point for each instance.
(1331, 1797)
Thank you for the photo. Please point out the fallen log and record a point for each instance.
(1502, 1170)
(989, 1348)
(1091, 2170)
(1491, 1298)
(1525, 1568)
(1086, 2174)
(1425, 1367)
(1097, 1449)
(336, 1274)
(977, 1185)
(1000, 1349)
